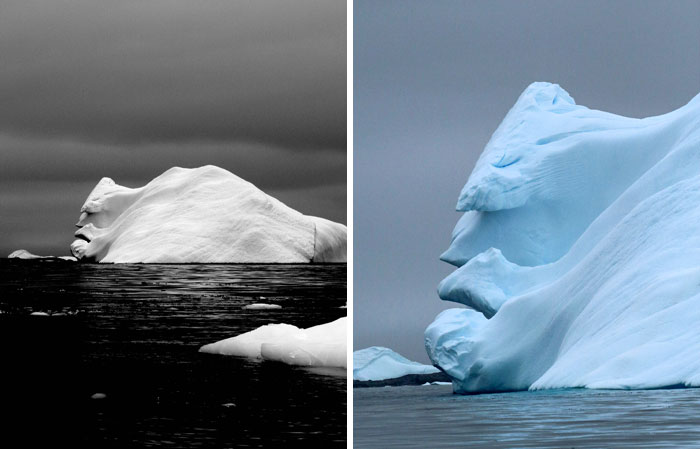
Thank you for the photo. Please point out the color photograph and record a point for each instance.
(526, 209)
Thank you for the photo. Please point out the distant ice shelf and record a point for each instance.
(201, 215)
(379, 363)
(26, 255)
(577, 254)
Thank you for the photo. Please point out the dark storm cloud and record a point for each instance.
(134, 71)
(432, 82)
(264, 165)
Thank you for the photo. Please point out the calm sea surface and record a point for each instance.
(131, 333)
(431, 416)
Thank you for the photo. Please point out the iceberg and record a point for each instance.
(577, 253)
(23, 254)
(200, 215)
(379, 363)
(262, 306)
(324, 345)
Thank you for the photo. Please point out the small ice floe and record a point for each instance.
(98, 396)
(343, 307)
(262, 306)
(323, 345)
(56, 313)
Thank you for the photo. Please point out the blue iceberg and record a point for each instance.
(577, 253)
(379, 363)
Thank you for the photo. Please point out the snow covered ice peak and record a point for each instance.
(205, 215)
(577, 252)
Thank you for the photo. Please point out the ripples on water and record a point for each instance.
(132, 333)
(432, 416)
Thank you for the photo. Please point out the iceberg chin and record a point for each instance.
(202, 215)
(378, 363)
(577, 253)
(324, 345)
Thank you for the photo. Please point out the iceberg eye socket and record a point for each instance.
(504, 162)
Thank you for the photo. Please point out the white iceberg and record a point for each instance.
(262, 306)
(322, 346)
(26, 255)
(379, 363)
(578, 253)
(204, 215)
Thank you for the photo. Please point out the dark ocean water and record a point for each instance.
(431, 416)
(131, 333)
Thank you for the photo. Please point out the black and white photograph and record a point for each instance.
(173, 234)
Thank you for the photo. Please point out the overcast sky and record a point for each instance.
(128, 89)
(432, 82)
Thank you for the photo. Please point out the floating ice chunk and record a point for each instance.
(379, 363)
(323, 345)
(26, 255)
(206, 215)
(581, 245)
(248, 344)
(260, 306)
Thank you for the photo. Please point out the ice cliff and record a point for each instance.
(379, 363)
(204, 215)
(578, 253)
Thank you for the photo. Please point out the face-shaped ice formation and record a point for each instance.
(201, 215)
(578, 252)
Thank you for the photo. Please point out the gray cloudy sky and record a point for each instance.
(433, 80)
(128, 89)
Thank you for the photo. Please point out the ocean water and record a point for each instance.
(131, 333)
(431, 416)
